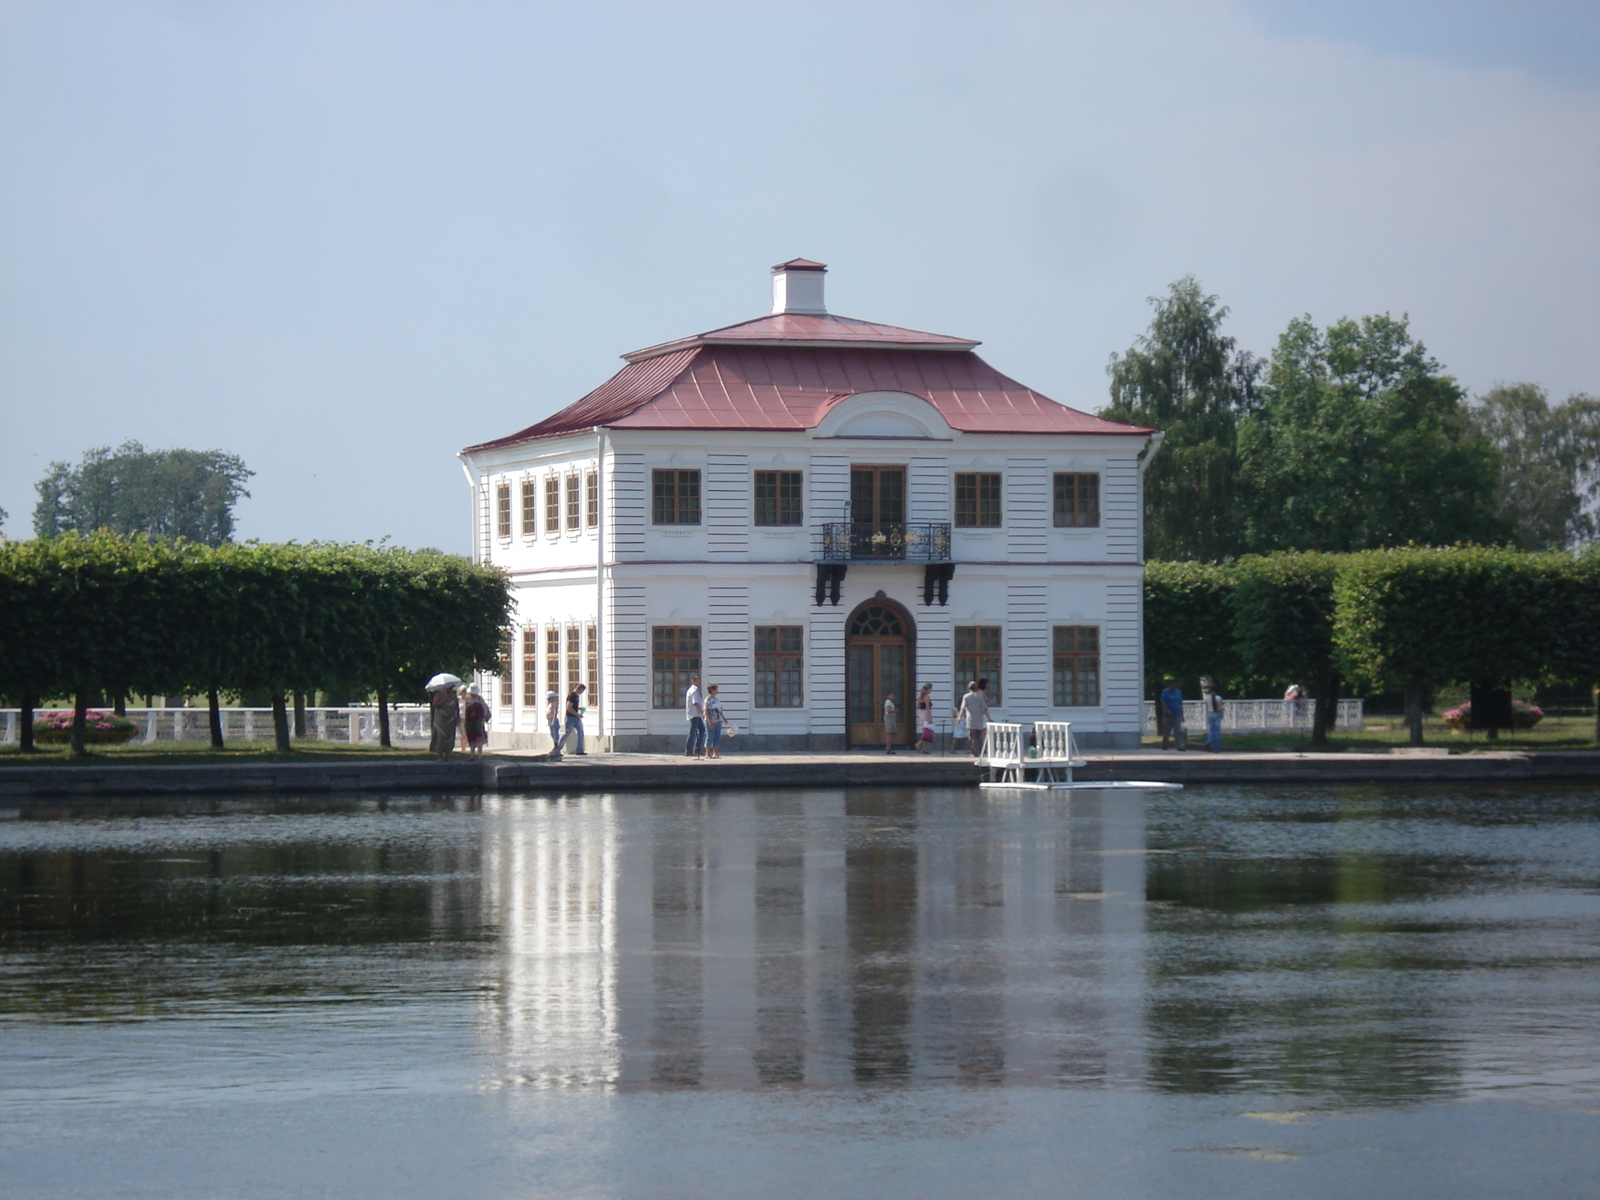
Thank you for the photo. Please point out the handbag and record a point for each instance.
(731, 731)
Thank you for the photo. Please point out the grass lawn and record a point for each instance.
(1381, 733)
(166, 754)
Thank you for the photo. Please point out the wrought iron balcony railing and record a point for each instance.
(913, 541)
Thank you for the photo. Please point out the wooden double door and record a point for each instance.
(879, 660)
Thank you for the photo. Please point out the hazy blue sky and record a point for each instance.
(344, 240)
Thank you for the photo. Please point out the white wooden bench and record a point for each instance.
(1054, 757)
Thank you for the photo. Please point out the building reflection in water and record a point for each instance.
(814, 939)
(550, 888)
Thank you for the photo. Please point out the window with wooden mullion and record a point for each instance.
(978, 657)
(977, 500)
(502, 509)
(1077, 500)
(780, 666)
(1076, 667)
(530, 668)
(572, 503)
(530, 509)
(675, 497)
(552, 504)
(674, 661)
(552, 663)
(592, 502)
(778, 498)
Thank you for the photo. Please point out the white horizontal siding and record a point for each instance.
(625, 675)
(1027, 509)
(726, 654)
(728, 506)
(1119, 509)
(928, 488)
(1121, 656)
(828, 493)
(627, 503)
(1027, 653)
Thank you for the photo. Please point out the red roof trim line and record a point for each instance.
(800, 264)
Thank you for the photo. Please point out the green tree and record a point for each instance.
(162, 493)
(1418, 618)
(1362, 441)
(1283, 607)
(1185, 378)
(1549, 463)
(1188, 624)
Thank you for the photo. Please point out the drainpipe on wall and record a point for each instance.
(600, 585)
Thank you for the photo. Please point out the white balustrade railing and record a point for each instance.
(355, 725)
(1262, 716)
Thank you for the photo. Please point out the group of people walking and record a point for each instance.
(971, 719)
(457, 713)
(708, 723)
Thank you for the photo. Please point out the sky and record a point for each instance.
(343, 240)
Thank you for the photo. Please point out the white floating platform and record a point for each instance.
(1106, 785)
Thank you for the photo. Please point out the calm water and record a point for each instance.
(1355, 992)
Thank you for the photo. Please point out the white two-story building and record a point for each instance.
(812, 511)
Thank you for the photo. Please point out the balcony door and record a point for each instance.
(879, 658)
(877, 512)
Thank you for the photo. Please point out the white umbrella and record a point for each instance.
(443, 681)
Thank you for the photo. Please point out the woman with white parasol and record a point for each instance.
(445, 711)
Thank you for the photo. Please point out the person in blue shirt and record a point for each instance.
(1172, 708)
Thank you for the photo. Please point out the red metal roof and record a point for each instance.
(807, 329)
(791, 387)
(800, 264)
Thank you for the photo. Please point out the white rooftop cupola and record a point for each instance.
(797, 287)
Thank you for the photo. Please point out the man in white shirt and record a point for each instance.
(694, 712)
(975, 709)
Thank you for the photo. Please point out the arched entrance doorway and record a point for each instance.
(880, 657)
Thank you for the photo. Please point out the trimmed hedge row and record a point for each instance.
(81, 615)
(1408, 619)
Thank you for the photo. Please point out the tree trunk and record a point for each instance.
(1327, 715)
(80, 718)
(299, 713)
(25, 723)
(1414, 710)
(280, 723)
(119, 703)
(214, 704)
(383, 715)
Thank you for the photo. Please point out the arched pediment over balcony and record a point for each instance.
(881, 415)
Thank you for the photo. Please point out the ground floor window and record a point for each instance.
(574, 659)
(552, 661)
(530, 668)
(507, 680)
(674, 661)
(1077, 666)
(780, 666)
(591, 652)
(978, 657)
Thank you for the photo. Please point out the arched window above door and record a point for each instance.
(877, 621)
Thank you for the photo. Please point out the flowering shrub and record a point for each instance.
(1523, 716)
(99, 728)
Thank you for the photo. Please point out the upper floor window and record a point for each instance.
(552, 504)
(977, 500)
(675, 497)
(591, 489)
(502, 509)
(778, 499)
(1077, 501)
(530, 509)
(572, 502)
